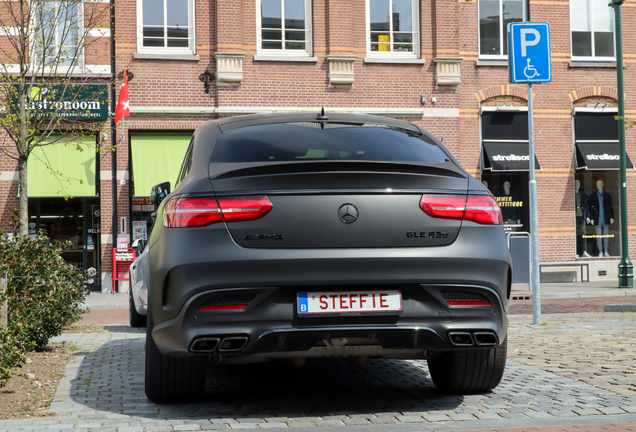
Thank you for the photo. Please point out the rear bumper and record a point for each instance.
(189, 267)
(185, 263)
(270, 326)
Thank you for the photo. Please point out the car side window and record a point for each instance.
(187, 163)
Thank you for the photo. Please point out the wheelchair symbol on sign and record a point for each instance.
(530, 71)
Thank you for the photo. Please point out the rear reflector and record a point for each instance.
(191, 212)
(464, 298)
(482, 209)
(222, 307)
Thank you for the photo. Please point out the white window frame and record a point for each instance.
(415, 54)
(592, 57)
(58, 68)
(502, 32)
(190, 49)
(307, 52)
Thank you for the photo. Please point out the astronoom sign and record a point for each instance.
(72, 102)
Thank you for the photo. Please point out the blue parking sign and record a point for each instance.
(529, 58)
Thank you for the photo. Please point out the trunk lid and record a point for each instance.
(341, 204)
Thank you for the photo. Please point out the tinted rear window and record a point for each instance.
(308, 141)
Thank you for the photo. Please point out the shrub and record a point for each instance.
(45, 294)
(12, 350)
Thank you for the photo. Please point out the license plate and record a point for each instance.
(349, 302)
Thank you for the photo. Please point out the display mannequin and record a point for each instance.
(601, 215)
(580, 199)
(511, 215)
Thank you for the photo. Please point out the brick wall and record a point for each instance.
(448, 29)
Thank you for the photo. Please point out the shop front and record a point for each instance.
(156, 158)
(505, 164)
(64, 200)
(596, 184)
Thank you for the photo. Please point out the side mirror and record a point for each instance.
(138, 245)
(159, 192)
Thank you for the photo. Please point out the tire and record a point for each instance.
(172, 379)
(469, 371)
(136, 320)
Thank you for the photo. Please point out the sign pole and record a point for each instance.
(530, 61)
(535, 273)
(113, 132)
(625, 267)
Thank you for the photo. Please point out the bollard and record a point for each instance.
(4, 304)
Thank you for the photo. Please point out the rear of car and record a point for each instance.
(349, 236)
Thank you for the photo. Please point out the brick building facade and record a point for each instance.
(437, 63)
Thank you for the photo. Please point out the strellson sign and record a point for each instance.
(71, 102)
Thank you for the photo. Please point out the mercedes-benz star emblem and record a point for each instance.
(348, 213)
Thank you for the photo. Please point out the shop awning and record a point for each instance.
(64, 168)
(600, 156)
(157, 158)
(507, 157)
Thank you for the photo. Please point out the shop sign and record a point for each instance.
(69, 102)
(511, 157)
(143, 205)
(603, 157)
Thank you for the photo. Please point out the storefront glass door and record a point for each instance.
(75, 220)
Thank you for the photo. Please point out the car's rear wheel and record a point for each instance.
(172, 379)
(135, 318)
(469, 371)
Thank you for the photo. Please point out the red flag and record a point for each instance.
(123, 103)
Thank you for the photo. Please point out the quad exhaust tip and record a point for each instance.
(233, 343)
(208, 345)
(466, 339)
(205, 345)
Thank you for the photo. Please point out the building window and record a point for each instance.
(284, 27)
(592, 26)
(58, 29)
(494, 17)
(165, 26)
(392, 28)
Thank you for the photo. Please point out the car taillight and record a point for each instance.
(477, 208)
(483, 209)
(191, 212)
(244, 207)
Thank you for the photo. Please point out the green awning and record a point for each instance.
(61, 169)
(156, 158)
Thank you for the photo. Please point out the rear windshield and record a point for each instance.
(313, 141)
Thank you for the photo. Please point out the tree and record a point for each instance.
(47, 87)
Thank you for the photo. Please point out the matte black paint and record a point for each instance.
(316, 251)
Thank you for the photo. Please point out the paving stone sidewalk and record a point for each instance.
(575, 369)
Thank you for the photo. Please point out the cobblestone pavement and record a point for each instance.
(567, 305)
(577, 369)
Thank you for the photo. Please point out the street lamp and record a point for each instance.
(625, 267)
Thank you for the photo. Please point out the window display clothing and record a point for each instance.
(510, 212)
(601, 212)
(581, 216)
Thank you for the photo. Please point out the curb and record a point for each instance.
(619, 308)
(575, 295)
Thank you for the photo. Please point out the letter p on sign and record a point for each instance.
(525, 42)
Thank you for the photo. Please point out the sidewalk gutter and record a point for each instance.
(517, 295)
